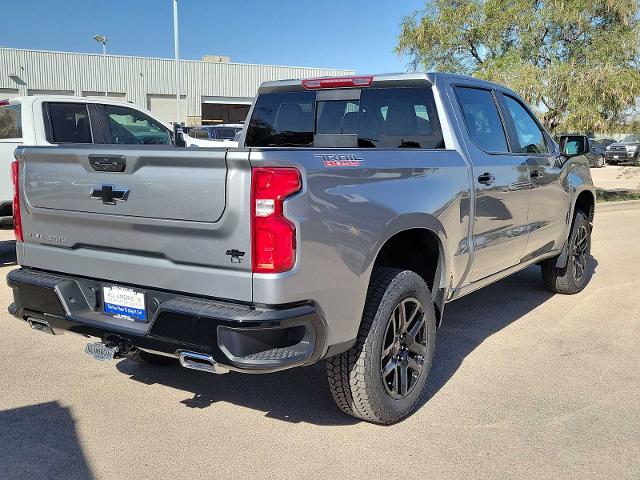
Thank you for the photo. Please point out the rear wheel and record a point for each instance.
(575, 276)
(382, 378)
(600, 161)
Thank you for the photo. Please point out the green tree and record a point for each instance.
(576, 61)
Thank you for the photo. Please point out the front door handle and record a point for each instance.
(486, 178)
(536, 174)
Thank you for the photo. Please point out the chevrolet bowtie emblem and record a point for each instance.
(109, 194)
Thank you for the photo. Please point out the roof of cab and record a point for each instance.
(68, 98)
(430, 77)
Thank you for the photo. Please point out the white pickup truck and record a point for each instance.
(56, 120)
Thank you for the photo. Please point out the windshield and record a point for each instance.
(631, 139)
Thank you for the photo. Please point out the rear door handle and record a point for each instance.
(486, 178)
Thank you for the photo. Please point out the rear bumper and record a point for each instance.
(240, 337)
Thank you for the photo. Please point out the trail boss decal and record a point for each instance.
(339, 159)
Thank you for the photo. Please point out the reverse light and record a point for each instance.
(336, 82)
(17, 217)
(274, 236)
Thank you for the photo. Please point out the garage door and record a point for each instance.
(6, 93)
(164, 107)
(217, 110)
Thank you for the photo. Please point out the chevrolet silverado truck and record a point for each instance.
(626, 150)
(354, 210)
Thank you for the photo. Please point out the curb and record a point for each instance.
(615, 206)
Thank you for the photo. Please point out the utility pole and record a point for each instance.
(103, 40)
(177, 59)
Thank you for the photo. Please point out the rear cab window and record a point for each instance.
(10, 121)
(387, 117)
(225, 133)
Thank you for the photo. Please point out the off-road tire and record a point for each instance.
(157, 360)
(563, 280)
(355, 376)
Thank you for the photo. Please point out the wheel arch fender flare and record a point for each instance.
(416, 221)
(577, 188)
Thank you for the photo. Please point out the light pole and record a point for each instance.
(103, 40)
(177, 58)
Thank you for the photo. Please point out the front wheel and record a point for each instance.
(600, 161)
(383, 377)
(575, 276)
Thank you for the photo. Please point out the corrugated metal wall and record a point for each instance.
(138, 77)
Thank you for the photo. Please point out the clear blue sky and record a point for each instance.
(353, 34)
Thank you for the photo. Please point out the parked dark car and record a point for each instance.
(596, 156)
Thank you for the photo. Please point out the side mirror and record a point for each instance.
(178, 139)
(574, 145)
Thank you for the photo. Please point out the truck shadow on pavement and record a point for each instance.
(41, 442)
(7, 252)
(302, 394)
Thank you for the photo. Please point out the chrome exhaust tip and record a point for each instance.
(201, 362)
(41, 326)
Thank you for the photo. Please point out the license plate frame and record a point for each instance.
(100, 351)
(124, 302)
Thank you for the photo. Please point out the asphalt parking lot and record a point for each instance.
(525, 385)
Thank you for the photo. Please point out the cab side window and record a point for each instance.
(482, 119)
(531, 139)
(70, 123)
(128, 126)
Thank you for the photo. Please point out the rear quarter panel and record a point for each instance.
(344, 215)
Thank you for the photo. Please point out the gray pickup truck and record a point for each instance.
(353, 211)
(626, 150)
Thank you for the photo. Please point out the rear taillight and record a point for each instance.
(336, 82)
(17, 218)
(274, 237)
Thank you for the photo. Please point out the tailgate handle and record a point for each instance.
(108, 163)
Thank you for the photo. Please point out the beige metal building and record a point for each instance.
(213, 90)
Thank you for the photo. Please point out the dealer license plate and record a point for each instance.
(125, 303)
(99, 351)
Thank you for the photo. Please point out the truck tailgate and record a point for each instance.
(167, 220)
